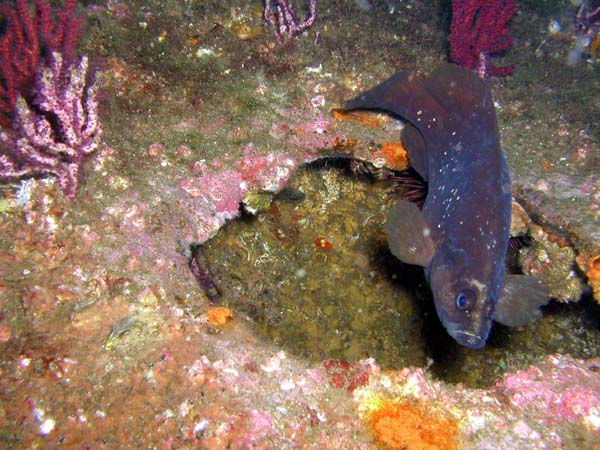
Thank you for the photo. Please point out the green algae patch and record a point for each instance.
(310, 272)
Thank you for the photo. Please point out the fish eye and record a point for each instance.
(465, 299)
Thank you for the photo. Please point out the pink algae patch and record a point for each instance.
(550, 387)
(223, 190)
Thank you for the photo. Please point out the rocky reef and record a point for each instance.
(217, 134)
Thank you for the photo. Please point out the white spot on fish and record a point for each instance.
(478, 285)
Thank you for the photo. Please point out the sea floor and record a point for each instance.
(222, 145)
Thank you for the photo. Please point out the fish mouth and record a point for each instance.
(468, 339)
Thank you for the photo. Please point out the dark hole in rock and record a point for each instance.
(314, 275)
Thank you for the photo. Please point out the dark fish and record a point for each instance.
(461, 234)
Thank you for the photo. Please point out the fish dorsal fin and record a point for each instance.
(408, 235)
(462, 94)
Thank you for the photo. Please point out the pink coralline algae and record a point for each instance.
(216, 191)
(553, 404)
(564, 388)
(221, 192)
(349, 376)
(267, 173)
(58, 131)
(479, 29)
(217, 194)
(309, 135)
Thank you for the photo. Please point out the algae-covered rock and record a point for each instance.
(255, 202)
(552, 260)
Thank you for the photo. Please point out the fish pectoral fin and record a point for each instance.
(408, 235)
(520, 300)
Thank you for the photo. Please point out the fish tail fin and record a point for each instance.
(461, 91)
